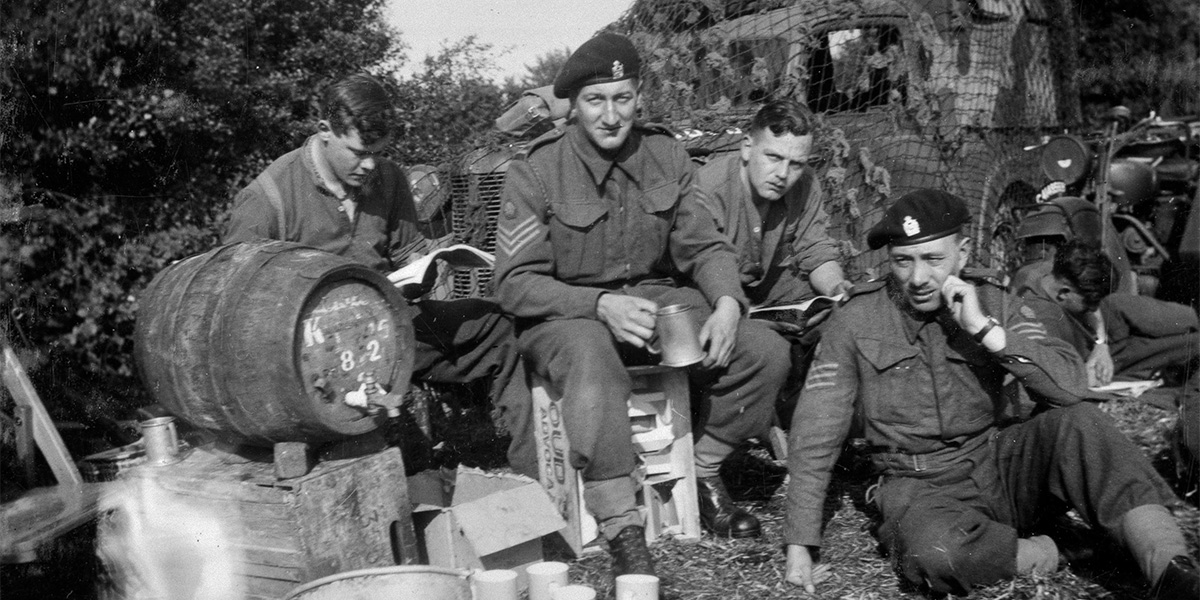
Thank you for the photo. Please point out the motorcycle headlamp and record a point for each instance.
(1066, 158)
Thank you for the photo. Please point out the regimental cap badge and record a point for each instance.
(911, 226)
(618, 70)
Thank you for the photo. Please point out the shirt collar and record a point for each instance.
(319, 182)
(306, 157)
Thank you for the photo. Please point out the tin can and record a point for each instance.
(676, 337)
(161, 440)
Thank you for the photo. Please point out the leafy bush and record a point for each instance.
(135, 122)
(1143, 54)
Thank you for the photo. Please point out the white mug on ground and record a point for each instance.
(496, 584)
(544, 578)
(636, 586)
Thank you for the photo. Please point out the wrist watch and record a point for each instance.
(978, 337)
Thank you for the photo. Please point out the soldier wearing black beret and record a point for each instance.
(606, 58)
(599, 224)
(922, 356)
(919, 217)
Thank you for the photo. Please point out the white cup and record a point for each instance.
(573, 592)
(496, 584)
(544, 578)
(636, 586)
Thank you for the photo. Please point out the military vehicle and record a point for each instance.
(910, 94)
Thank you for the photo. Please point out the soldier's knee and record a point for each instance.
(766, 348)
(1084, 419)
(940, 558)
(951, 555)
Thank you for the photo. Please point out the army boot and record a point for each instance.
(720, 515)
(1180, 581)
(629, 552)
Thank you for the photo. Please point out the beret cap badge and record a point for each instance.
(618, 70)
(911, 226)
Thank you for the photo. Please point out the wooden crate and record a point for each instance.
(341, 516)
(661, 431)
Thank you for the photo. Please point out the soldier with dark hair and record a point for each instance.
(921, 357)
(338, 193)
(599, 227)
(769, 201)
(1117, 334)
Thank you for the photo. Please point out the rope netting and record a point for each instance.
(924, 93)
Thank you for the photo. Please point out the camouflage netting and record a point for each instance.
(923, 93)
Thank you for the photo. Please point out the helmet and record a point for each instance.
(1134, 181)
(1045, 220)
(1066, 216)
(1083, 217)
(429, 191)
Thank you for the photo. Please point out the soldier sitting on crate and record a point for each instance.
(921, 357)
(339, 194)
(769, 202)
(600, 227)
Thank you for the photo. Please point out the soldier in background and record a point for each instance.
(769, 202)
(1123, 335)
(599, 227)
(1118, 334)
(921, 356)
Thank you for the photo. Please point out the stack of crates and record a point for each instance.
(661, 430)
(475, 188)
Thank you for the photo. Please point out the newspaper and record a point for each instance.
(1129, 389)
(796, 313)
(421, 275)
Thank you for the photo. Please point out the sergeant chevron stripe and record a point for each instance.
(1030, 329)
(512, 239)
(821, 376)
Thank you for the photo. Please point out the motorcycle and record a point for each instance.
(1143, 179)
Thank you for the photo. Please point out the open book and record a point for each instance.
(1129, 389)
(796, 314)
(420, 275)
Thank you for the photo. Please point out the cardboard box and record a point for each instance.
(471, 519)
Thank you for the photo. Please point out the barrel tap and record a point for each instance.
(372, 396)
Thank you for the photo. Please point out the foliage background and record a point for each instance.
(134, 122)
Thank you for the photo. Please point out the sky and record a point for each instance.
(525, 29)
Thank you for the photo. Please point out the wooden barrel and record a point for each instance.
(261, 341)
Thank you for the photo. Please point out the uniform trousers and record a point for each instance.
(460, 341)
(1141, 356)
(955, 524)
(584, 363)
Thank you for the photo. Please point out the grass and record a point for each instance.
(724, 569)
(715, 568)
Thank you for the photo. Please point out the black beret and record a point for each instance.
(918, 217)
(605, 58)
